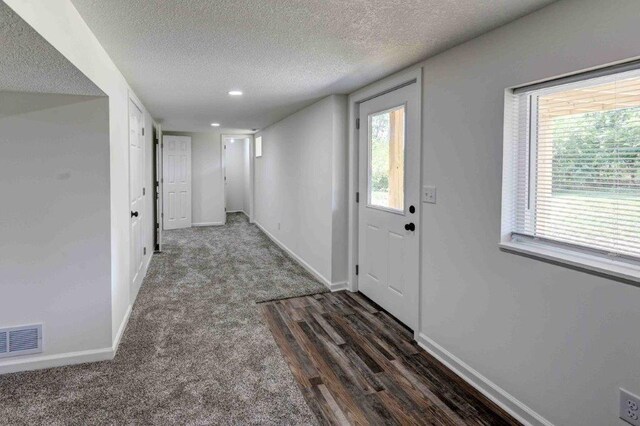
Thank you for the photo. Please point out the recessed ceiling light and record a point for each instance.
(215, 124)
(235, 93)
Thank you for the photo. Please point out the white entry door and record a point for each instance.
(136, 195)
(389, 202)
(177, 182)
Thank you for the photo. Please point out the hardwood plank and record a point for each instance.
(356, 364)
(299, 363)
(332, 381)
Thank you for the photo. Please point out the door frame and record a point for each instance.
(157, 186)
(223, 168)
(384, 86)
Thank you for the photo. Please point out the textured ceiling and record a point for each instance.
(30, 64)
(183, 56)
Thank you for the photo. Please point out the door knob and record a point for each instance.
(134, 214)
(410, 226)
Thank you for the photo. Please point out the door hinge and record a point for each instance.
(144, 191)
(357, 269)
(157, 225)
(143, 131)
(357, 197)
(144, 251)
(357, 123)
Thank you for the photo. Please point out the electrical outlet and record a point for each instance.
(429, 194)
(629, 407)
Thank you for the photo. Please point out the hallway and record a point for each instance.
(196, 349)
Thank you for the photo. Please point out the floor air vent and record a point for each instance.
(24, 340)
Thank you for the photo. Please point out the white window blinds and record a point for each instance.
(575, 164)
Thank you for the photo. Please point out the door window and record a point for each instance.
(386, 159)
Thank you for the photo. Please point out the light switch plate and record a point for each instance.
(629, 408)
(429, 194)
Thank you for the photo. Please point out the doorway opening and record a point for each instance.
(237, 167)
(385, 176)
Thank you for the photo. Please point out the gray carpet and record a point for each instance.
(196, 350)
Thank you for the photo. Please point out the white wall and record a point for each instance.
(294, 183)
(559, 340)
(54, 221)
(236, 156)
(61, 25)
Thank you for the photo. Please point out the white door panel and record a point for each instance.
(177, 182)
(389, 187)
(136, 182)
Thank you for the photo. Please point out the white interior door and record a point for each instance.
(136, 196)
(177, 182)
(389, 202)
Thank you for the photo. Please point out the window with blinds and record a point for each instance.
(575, 164)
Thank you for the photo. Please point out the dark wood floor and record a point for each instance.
(356, 364)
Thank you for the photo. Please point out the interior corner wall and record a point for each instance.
(294, 183)
(54, 221)
(340, 192)
(207, 187)
(558, 340)
(58, 22)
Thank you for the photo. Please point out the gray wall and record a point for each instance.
(55, 248)
(300, 184)
(559, 340)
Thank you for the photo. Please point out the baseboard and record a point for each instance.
(121, 329)
(57, 360)
(342, 285)
(207, 224)
(145, 269)
(331, 286)
(489, 389)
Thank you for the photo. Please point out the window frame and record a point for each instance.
(575, 256)
(258, 146)
(403, 211)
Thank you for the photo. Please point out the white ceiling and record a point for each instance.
(183, 56)
(30, 64)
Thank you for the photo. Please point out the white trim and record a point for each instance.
(121, 329)
(506, 401)
(57, 360)
(588, 262)
(195, 225)
(342, 285)
(238, 211)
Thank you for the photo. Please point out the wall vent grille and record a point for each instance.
(23, 340)
(3, 343)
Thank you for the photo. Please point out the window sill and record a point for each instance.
(589, 262)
